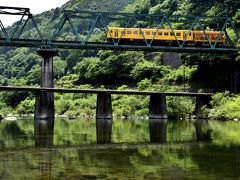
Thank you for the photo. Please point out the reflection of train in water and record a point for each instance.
(161, 36)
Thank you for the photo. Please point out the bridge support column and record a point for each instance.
(44, 105)
(202, 101)
(157, 106)
(104, 118)
(158, 118)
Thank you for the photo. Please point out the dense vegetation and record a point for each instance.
(121, 70)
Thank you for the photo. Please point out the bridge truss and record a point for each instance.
(89, 31)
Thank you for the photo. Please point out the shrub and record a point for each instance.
(26, 106)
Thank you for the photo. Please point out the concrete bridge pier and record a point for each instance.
(158, 118)
(44, 105)
(202, 101)
(104, 118)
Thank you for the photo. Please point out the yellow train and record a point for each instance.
(161, 36)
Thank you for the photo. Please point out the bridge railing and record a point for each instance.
(16, 31)
(104, 20)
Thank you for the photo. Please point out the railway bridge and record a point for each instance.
(48, 43)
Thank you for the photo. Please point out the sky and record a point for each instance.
(36, 7)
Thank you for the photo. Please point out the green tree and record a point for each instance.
(59, 67)
(149, 70)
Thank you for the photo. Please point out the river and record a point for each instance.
(208, 151)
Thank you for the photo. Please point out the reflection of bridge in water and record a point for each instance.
(180, 135)
(44, 108)
(83, 131)
(44, 115)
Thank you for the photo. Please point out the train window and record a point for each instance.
(187, 34)
(166, 33)
(123, 32)
(171, 34)
(147, 33)
(135, 32)
(159, 33)
(111, 31)
(153, 33)
(129, 32)
(178, 34)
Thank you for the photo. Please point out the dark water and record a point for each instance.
(203, 150)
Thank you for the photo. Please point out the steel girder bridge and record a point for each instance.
(88, 30)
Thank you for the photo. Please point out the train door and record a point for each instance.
(116, 33)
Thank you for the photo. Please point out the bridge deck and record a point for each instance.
(110, 46)
(97, 91)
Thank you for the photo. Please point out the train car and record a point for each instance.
(161, 36)
(199, 37)
(132, 34)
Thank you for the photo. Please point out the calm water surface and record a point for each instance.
(205, 150)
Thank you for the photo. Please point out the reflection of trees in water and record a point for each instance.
(179, 161)
(105, 161)
(225, 132)
(12, 129)
(129, 130)
(72, 132)
(2, 143)
(180, 130)
(83, 131)
(13, 134)
(219, 161)
(25, 164)
(169, 161)
(160, 160)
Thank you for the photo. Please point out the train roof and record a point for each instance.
(151, 29)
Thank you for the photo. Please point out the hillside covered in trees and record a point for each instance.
(121, 69)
